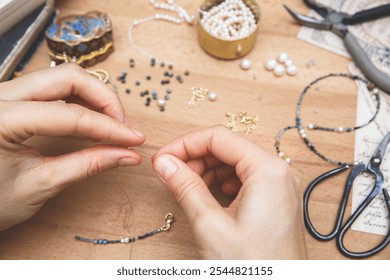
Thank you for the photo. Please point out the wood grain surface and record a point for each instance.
(131, 201)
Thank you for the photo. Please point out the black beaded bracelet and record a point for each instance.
(126, 240)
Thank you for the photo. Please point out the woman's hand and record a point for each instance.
(263, 221)
(28, 107)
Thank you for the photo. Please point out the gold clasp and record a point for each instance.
(168, 221)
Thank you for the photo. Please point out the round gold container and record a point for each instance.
(227, 49)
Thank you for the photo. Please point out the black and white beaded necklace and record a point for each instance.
(302, 133)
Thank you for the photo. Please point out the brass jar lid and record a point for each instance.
(222, 48)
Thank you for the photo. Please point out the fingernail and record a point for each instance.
(139, 133)
(165, 167)
(127, 162)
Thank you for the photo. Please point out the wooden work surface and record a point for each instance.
(131, 201)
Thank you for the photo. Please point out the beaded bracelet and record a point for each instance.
(375, 96)
(168, 221)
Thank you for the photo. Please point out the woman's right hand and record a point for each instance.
(263, 221)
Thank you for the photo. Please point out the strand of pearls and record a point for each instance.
(230, 20)
(170, 5)
(180, 15)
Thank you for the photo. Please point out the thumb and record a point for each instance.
(189, 189)
(54, 173)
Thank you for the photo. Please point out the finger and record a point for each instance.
(188, 188)
(62, 82)
(232, 186)
(218, 175)
(238, 151)
(55, 173)
(21, 120)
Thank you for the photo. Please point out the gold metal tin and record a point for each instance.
(227, 49)
(85, 39)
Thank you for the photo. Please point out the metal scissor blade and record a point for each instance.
(308, 21)
(380, 151)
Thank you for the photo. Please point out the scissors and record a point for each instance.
(339, 231)
(337, 22)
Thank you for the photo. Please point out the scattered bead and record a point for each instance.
(212, 96)
(245, 64)
(179, 79)
(270, 64)
(148, 77)
(169, 91)
(187, 73)
(288, 63)
(137, 83)
(165, 82)
(162, 109)
(161, 103)
(128, 91)
(153, 62)
(132, 63)
(279, 70)
(162, 64)
(170, 66)
(292, 70)
(282, 57)
(167, 97)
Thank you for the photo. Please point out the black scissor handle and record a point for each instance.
(309, 225)
(352, 219)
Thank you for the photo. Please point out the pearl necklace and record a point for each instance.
(169, 5)
(230, 20)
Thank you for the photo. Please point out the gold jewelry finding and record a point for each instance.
(198, 94)
(250, 123)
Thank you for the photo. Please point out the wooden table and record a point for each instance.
(130, 201)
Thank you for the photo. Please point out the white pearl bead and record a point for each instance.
(212, 96)
(288, 63)
(375, 91)
(127, 240)
(279, 70)
(161, 103)
(340, 129)
(292, 70)
(245, 64)
(270, 64)
(282, 57)
(310, 126)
